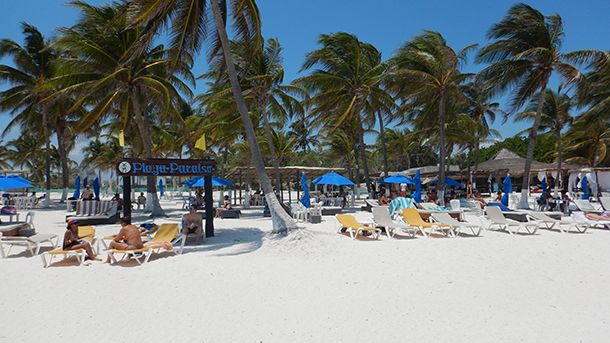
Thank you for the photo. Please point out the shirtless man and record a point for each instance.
(192, 222)
(128, 238)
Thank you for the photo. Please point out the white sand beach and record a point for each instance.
(315, 285)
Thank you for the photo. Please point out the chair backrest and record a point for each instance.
(88, 231)
(412, 217)
(541, 216)
(347, 221)
(29, 219)
(86, 208)
(381, 216)
(494, 213)
(605, 201)
(455, 204)
(445, 218)
(584, 205)
(166, 233)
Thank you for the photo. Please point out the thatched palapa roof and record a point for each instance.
(507, 161)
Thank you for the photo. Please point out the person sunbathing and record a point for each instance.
(191, 222)
(128, 238)
(382, 200)
(600, 217)
(73, 242)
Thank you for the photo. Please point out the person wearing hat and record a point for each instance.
(73, 242)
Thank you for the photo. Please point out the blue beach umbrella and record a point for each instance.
(584, 184)
(399, 179)
(200, 182)
(332, 179)
(76, 194)
(417, 181)
(96, 188)
(85, 182)
(543, 184)
(20, 178)
(305, 200)
(448, 182)
(7, 182)
(161, 187)
(507, 187)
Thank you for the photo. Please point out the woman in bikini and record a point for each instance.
(73, 242)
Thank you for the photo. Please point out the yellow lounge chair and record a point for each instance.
(412, 217)
(166, 233)
(85, 232)
(349, 223)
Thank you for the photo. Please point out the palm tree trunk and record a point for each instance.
(282, 222)
(365, 164)
(384, 148)
(559, 153)
(63, 159)
(274, 160)
(47, 157)
(443, 152)
(144, 130)
(525, 187)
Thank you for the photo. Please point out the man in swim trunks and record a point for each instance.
(128, 238)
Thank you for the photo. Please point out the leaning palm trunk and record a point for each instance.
(443, 152)
(365, 165)
(282, 222)
(63, 159)
(274, 159)
(559, 153)
(153, 204)
(47, 157)
(525, 188)
(384, 148)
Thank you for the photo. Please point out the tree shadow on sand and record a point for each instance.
(230, 242)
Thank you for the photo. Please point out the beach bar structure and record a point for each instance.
(507, 162)
(289, 175)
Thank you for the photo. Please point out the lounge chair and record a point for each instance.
(381, 217)
(106, 213)
(32, 243)
(551, 223)
(497, 219)
(412, 217)
(580, 217)
(586, 206)
(353, 227)
(166, 234)
(457, 225)
(87, 233)
(605, 202)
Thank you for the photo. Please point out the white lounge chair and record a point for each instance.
(381, 217)
(457, 225)
(32, 243)
(497, 219)
(586, 206)
(551, 223)
(605, 202)
(580, 217)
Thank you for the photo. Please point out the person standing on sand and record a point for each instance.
(128, 238)
(73, 242)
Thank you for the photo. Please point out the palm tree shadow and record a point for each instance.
(230, 242)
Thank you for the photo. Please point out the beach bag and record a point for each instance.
(8, 210)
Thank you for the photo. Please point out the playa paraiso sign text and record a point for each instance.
(165, 167)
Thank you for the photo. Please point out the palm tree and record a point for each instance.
(525, 51)
(303, 132)
(555, 116)
(341, 150)
(4, 156)
(133, 90)
(595, 93)
(587, 143)
(427, 77)
(261, 79)
(190, 25)
(29, 79)
(347, 86)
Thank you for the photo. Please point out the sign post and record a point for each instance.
(128, 167)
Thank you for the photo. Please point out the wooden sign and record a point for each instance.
(165, 167)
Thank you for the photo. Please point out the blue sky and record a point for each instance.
(385, 23)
